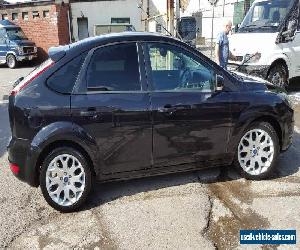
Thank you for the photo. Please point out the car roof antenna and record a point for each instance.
(140, 7)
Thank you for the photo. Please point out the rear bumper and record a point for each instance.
(21, 154)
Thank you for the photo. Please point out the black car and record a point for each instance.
(130, 105)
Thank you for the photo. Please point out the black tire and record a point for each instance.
(88, 179)
(11, 61)
(268, 128)
(278, 75)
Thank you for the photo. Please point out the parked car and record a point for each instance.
(271, 31)
(132, 104)
(14, 45)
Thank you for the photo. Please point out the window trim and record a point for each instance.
(149, 69)
(81, 86)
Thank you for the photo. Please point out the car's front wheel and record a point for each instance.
(11, 61)
(65, 179)
(257, 151)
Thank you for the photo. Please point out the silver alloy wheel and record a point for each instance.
(256, 152)
(65, 180)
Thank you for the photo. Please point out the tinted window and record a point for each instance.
(63, 80)
(176, 69)
(114, 68)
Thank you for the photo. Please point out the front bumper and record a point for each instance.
(28, 57)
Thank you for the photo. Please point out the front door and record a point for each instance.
(114, 109)
(191, 120)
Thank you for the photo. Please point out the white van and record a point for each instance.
(267, 43)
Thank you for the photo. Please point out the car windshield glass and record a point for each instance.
(16, 34)
(266, 16)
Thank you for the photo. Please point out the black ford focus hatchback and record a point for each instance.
(134, 104)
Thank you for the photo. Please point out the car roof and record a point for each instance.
(121, 36)
(88, 43)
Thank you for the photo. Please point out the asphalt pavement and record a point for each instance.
(198, 210)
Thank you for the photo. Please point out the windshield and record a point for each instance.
(266, 16)
(16, 34)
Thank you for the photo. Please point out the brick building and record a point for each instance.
(44, 22)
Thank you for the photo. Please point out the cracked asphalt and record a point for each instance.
(198, 210)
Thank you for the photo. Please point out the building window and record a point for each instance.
(46, 13)
(158, 28)
(120, 20)
(25, 16)
(14, 16)
(35, 14)
(4, 17)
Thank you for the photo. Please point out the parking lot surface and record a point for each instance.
(198, 210)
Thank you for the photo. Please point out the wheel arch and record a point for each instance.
(279, 61)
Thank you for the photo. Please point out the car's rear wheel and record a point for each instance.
(65, 179)
(11, 61)
(257, 151)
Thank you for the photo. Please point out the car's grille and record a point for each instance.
(28, 50)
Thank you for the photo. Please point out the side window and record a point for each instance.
(173, 68)
(114, 68)
(2, 36)
(63, 80)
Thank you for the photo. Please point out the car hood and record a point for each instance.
(237, 43)
(256, 83)
(23, 43)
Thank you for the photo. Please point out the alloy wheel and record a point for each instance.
(65, 180)
(256, 152)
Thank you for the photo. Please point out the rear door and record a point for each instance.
(113, 108)
(191, 120)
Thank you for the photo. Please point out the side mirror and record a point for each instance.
(291, 29)
(219, 83)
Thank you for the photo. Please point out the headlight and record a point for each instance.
(252, 58)
(20, 50)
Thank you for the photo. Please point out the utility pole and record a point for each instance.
(177, 15)
(170, 16)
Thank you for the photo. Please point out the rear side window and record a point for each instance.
(114, 68)
(63, 80)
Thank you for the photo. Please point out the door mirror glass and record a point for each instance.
(291, 29)
(219, 83)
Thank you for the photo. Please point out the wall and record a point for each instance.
(101, 12)
(44, 31)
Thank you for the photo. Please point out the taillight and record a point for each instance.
(14, 168)
(34, 74)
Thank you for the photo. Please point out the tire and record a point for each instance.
(257, 151)
(278, 75)
(11, 61)
(56, 179)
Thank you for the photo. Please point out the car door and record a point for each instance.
(191, 121)
(3, 45)
(113, 108)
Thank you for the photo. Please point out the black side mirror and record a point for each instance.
(219, 83)
(235, 28)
